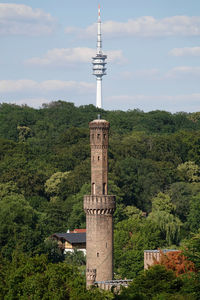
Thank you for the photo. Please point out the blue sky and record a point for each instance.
(153, 49)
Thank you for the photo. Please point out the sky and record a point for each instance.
(153, 49)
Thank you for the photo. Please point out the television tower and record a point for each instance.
(99, 64)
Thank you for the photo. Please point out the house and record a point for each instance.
(70, 241)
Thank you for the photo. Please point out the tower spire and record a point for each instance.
(99, 13)
(99, 63)
(99, 42)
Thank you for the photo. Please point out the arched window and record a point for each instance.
(104, 188)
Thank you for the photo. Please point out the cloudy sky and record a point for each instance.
(153, 49)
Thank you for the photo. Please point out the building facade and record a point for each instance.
(150, 256)
(99, 208)
(68, 242)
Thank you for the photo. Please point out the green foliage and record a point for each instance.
(162, 202)
(51, 249)
(131, 238)
(45, 171)
(24, 133)
(52, 185)
(152, 284)
(162, 216)
(75, 258)
(192, 249)
(193, 219)
(18, 225)
(8, 188)
(77, 215)
(189, 171)
(36, 278)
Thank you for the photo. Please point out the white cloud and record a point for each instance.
(173, 103)
(71, 56)
(24, 85)
(183, 71)
(186, 51)
(146, 26)
(13, 86)
(19, 19)
(147, 73)
(33, 102)
(151, 74)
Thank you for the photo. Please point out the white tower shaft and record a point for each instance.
(99, 64)
(99, 93)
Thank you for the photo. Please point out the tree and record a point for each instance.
(192, 249)
(52, 185)
(189, 171)
(75, 258)
(162, 216)
(9, 188)
(152, 283)
(36, 278)
(193, 220)
(77, 217)
(175, 261)
(24, 133)
(162, 202)
(18, 225)
(131, 237)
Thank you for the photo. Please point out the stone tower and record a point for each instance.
(99, 208)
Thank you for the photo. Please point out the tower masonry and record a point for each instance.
(99, 208)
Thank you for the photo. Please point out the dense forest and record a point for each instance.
(154, 171)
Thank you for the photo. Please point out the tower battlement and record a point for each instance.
(90, 276)
(99, 205)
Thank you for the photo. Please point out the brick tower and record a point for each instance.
(99, 208)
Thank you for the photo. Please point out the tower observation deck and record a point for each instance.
(99, 64)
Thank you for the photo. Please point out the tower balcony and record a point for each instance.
(99, 73)
(99, 67)
(103, 70)
(100, 56)
(99, 204)
(98, 61)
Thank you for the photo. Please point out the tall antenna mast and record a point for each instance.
(99, 63)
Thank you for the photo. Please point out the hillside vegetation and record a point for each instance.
(154, 170)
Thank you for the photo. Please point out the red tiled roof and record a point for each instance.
(78, 231)
(72, 238)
